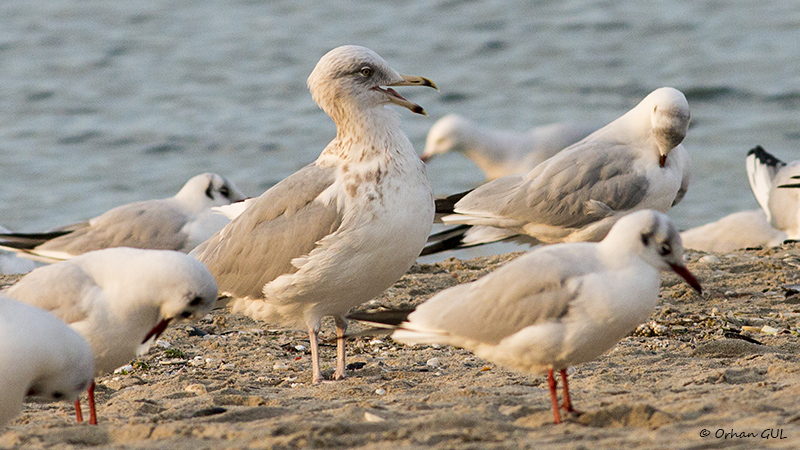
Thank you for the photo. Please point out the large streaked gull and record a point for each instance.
(39, 355)
(500, 152)
(344, 228)
(176, 223)
(635, 162)
(556, 306)
(119, 299)
(775, 185)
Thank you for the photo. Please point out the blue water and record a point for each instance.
(107, 102)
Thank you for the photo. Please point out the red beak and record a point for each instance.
(686, 275)
(158, 329)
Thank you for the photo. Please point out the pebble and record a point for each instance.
(708, 259)
(280, 365)
(373, 418)
(433, 363)
(380, 391)
(124, 369)
(300, 348)
(196, 388)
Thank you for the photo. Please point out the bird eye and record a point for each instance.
(225, 191)
(365, 71)
(664, 250)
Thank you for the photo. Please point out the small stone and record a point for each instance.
(373, 418)
(196, 388)
(124, 369)
(380, 391)
(433, 363)
(708, 259)
(300, 348)
(280, 365)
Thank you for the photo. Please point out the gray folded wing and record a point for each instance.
(530, 290)
(284, 223)
(565, 191)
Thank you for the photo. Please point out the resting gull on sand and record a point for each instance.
(635, 162)
(344, 228)
(554, 307)
(176, 223)
(119, 299)
(501, 152)
(40, 355)
(775, 185)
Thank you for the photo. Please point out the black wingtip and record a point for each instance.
(446, 205)
(764, 157)
(454, 242)
(386, 317)
(28, 241)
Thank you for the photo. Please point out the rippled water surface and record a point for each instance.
(107, 102)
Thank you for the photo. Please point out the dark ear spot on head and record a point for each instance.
(209, 189)
(186, 314)
(196, 301)
(645, 239)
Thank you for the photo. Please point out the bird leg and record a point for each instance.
(567, 402)
(551, 380)
(341, 328)
(92, 410)
(78, 412)
(313, 341)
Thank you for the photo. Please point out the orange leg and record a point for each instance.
(551, 380)
(92, 410)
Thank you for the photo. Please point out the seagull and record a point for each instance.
(344, 228)
(41, 356)
(744, 229)
(119, 299)
(635, 162)
(177, 223)
(557, 306)
(774, 184)
(501, 152)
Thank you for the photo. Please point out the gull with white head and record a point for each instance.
(40, 356)
(635, 162)
(119, 299)
(176, 223)
(344, 228)
(501, 152)
(556, 306)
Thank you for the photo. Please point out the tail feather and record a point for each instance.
(761, 170)
(389, 318)
(446, 205)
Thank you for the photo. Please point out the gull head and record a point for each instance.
(209, 189)
(446, 135)
(191, 290)
(669, 118)
(67, 372)
(351, 78)
(654, 238)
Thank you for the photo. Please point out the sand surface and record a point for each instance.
(230, 382)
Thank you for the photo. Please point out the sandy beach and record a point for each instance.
(689, 378)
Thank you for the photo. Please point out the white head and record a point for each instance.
(209, 189)
(41, 356)
(446, 135)
(653, 237)
(348, 79)
(669, 117)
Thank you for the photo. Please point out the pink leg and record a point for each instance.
(92, 410)
(341, 328)
(551, 380)
(316, 373)
(78, 412)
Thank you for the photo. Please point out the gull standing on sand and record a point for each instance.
(119, 299)
(556, 306)
(775, 185)
(635, 162)
(41, 356)
(344, 228)
(501, 152)
(176, 223)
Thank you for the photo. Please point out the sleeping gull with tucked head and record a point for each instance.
(176, 223)
(119, 299)
(344, 228)
(40, 355)
(501, 152)
(635, 162)
(555, 307)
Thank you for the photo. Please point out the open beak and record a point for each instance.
(157, 330)
(686, 275)
(398, 99)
